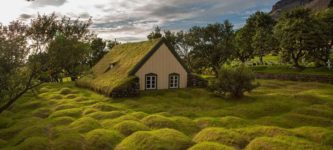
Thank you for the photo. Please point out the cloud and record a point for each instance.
(42, 3)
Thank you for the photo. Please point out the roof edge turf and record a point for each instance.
(151, 53)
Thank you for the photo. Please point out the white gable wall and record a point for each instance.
(162, 63)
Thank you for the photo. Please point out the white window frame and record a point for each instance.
(174, 81)
(151, 81)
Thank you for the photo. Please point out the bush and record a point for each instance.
(72, 141)
(221, 135)
(128, 127)
(234, 82)
(210, 146)
(102, 139)
(163, 139)
(84, 124)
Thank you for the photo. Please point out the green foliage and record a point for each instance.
(102, 139)
(167, 139)
(234, 81)
(128, 127)
(97, 46)
(210, 146)
(221, 135)
(155, 34)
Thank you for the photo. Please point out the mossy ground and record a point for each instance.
(278, 115)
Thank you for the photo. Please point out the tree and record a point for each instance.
(234, 81)
(243, 44)
(155, 34)
(69, 54)
(298, 34)
(16, 77)
(213, 44)
(110, 44)
(97, 51)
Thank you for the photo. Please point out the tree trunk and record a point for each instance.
(261, 60)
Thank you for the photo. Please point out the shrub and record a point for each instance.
(74, 112)
(70, 141)
(234, 81)
(128, 127)
(158, 122)
(210, 146)
(166, 139)
(102, 139)
(84, 124)
(221, 135)
(34, 143)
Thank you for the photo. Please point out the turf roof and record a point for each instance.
(124, 57)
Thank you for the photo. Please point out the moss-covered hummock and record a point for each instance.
(102, 139)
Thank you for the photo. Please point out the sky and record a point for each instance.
(133, 20)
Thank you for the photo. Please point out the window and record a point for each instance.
(151, 81)
(174, 81)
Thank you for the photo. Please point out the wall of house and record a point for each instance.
(162, 63)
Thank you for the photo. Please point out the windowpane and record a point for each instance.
(151, 82)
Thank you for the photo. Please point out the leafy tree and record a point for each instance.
(16, 77)
(243, 44)
(97, 50)
(323, 49)
(110, 44)
(234, 82)
(155, 34)
(69, 54)
(298, 34)
(263, 43)
(213, 44)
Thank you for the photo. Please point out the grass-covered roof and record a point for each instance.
(124, 57)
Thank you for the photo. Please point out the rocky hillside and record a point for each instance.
(285, 5)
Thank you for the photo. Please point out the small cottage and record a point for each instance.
(131, 67)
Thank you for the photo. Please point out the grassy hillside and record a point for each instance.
(278, 115)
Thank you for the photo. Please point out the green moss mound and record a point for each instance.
(74, 112)
(64, 106)
(268, 131)
(139, 115)
(42, 112)
(60, 121)
(109, 123)
(5, 122)
(56, 97)
(2, 143)
(158, 122)
(106, 115)
(84, 124)
(31, 131)
(283, 143)
(102, 139)
(89, 110)
(30, 105)
(71, 141)
(104, 107)
(66, 91)
(206, 122)
(316, 134)
(34, 143)
(16, 128)
(185, 125)
(221, 135)
(210, 146)
(71, 96)
(163, 139)
(233, 122)
(128, 127)
(297, 120)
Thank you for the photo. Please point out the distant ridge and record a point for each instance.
(285, 5)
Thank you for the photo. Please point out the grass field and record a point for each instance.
(278, 115)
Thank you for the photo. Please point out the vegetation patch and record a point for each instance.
(128, 127)
(109, 123)
(70, 141)
(104, 107)
(42, 112)
(158, 122)
(166, 139)
(102, 139)
(221, 135)
(74, 112)
(316, 134)
(84, 124)
(106, 115)
(61, 121)
(5, 122)
(65, 106)
(210, 146)
(259, 131)
(34, 143)
(205, 122)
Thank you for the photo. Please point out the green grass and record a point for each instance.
(277, 115)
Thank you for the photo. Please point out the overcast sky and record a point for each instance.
(132, 20)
